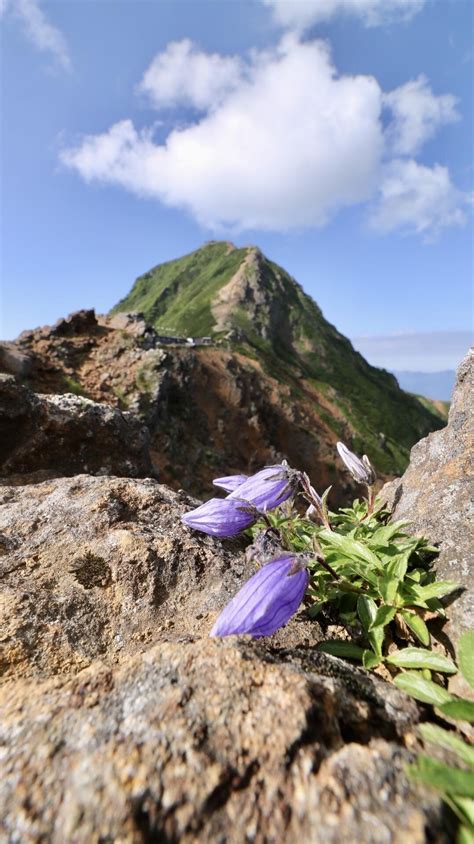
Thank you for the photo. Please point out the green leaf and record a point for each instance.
(459, 709)
(443, 777)
(448, 740)
(466, 808)
(415, 685)
(340, 648)
(350, 547)
(376, 638)
(466, 656)
(384, 534)
(351, 569)
(465, 835)
(367, 610)
(421, 658)
(370, 660)
(437, 589)
(417, 626)
(315, 609)
(398, 566)
(383, 616)
(387, 587)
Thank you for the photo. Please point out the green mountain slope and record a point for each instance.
(242, 299)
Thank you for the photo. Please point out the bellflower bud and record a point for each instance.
(230, 483)
(221, 516)
(269, 487)
(361, 470)
(266, 601)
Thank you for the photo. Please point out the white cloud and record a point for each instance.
(417, 115)
(183, 75)
(40, 32)
(285, 143)
(417, 198)
(288, 147)
(302, 14)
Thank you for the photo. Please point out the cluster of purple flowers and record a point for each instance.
(269, 599)
(248, 498)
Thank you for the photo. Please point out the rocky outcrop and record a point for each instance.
(120, 720)
(207, 741)
(52, 435)
(435, 497)
(100, 568)
(13, 361)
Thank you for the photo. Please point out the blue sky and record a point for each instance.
(335, 134)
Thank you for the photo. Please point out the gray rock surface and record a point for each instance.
(207, 741)
(121, 721)
(436, 496)
(13, 361)
(100, 568)
(52, 435)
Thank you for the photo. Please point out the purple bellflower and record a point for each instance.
(266, 601)
(361, 470)
(221, 516)
(268, 488)
(230, 483)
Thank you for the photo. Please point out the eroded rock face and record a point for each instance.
(435, 496)
(207, 741)
(53, 435)
(101, 568)
(120, 720)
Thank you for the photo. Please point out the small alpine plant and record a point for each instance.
(359, 569)
(373, 575)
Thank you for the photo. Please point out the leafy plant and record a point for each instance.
(454, 783)
(73, 386)
(363, 571)
(374, 577)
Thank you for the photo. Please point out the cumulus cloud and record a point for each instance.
(183, 75)
(299, 15)
(287, 148)
(40, 32)
(417, 198)
(283, 142)
(417, 115)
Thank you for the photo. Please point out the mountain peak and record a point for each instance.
(219, 288)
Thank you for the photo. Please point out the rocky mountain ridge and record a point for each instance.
(264, 375)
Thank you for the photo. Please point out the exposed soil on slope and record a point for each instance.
(210, 410)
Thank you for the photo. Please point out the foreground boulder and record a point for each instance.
(52, 435)
(209, 741)
(102, 568)
(120, 720)
(435, 497)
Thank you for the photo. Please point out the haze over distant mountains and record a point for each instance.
(432, 385)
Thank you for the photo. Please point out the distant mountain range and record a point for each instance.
(432, 385)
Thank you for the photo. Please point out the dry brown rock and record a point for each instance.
(53, 435)
(208, 741)
(436, 496)
(121, 721)
(102, 568)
